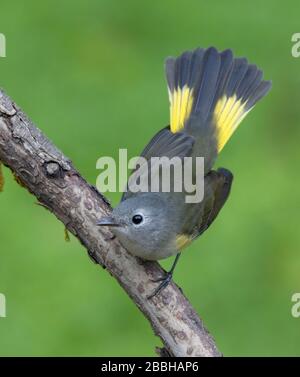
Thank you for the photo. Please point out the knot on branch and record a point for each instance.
(53, 169)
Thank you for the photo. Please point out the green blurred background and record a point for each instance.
(90, 75)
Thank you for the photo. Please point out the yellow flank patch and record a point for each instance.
(182, 240)
(1, 178)
(228, 114)
(181, 102)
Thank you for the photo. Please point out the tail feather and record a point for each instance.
(208, 83)
(214, 88)
(224, 72)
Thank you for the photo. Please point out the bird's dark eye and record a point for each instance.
(137, 219)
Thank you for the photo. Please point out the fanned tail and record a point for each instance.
(212, 90)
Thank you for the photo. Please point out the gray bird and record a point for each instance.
(210, 93)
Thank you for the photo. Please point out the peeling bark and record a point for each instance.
(40, 167)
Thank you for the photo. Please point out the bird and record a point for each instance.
(210, 93)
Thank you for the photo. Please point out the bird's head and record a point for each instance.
(145, 226)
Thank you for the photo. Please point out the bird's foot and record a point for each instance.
(165, 281)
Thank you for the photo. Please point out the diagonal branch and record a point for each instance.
(50, 176)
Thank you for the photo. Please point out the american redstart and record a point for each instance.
(210, 92)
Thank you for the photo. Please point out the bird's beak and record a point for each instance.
(107, 221)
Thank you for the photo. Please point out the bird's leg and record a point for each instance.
(165, 280)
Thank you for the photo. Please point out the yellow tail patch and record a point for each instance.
(228, 114)
(181, 102)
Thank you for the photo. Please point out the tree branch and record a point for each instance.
(40, 167)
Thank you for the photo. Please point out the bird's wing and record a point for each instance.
(163, 144)
(199, 217)
(221, 185)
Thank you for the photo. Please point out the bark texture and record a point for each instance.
(40, 167)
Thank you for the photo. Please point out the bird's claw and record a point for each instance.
(159, 279)
(165, 281)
